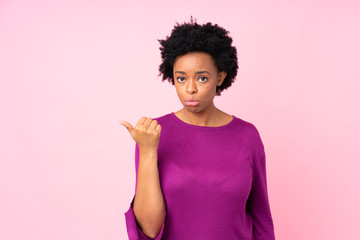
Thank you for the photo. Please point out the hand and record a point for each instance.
(146, 133)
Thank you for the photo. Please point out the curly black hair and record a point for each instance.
(192, 37)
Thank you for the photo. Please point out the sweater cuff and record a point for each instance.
(133, 229)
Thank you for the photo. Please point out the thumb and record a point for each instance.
(128, 126)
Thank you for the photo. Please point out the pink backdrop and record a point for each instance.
(70, 70)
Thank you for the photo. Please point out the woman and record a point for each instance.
(205, 177)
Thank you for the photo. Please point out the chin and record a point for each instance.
(193, 109)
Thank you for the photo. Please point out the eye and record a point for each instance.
(180, 79)
(203, 79)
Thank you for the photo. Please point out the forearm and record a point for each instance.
(149, 205)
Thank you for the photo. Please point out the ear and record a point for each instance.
(221, 77)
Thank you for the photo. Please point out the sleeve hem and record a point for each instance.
(133, 229)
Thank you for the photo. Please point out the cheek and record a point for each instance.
(178, 91)
(209, 91)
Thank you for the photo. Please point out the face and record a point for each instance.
(196, 77)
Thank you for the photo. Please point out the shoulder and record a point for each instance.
(248, 130)
(163, 119)
(167, 122)
(253, 141)
(247, 126)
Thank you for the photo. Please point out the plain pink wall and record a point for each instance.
(70, 70)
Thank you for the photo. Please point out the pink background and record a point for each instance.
(70, 70)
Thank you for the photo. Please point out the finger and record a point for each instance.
(153, 124)
(128, 126)
(147, 122)
(158, 128)
(141, 121)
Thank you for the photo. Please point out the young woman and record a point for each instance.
(205, 177)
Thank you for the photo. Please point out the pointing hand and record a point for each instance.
(146, 133)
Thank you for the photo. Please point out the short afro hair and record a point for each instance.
(192, 37)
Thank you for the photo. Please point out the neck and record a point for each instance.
(206, 117)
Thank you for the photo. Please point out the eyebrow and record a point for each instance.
(198, 72)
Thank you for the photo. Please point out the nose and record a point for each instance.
(191, 86)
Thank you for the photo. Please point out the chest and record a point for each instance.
(204, 167)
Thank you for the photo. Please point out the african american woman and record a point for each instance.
(200, 172)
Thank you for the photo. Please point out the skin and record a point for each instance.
(196, 77)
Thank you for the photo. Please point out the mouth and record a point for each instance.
(191, 102)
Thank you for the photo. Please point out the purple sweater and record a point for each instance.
(213, 180)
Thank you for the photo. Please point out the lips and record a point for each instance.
(191, 102)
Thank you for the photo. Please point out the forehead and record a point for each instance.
(195, 61)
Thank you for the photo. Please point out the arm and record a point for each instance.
(145, 218)
(135, 227)
(258, 202)
(149, 206)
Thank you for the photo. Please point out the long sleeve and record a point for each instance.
(133, 229)
(258, 202)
